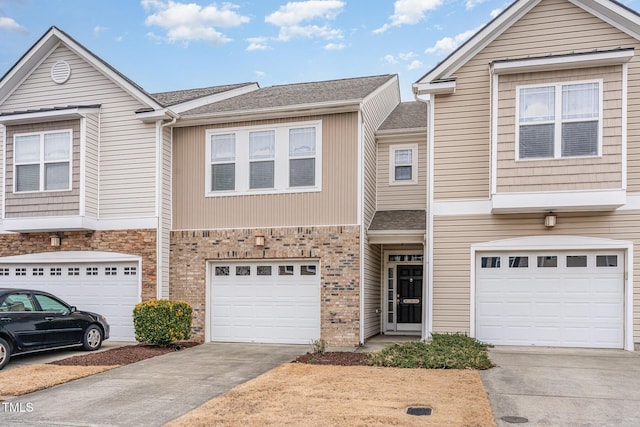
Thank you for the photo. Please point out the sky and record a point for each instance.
(166, 45)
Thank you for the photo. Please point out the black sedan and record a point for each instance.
(31, 321)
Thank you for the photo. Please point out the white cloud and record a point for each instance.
(260, 73)
(409, 12)
(11, 25)
(335, 46)
(257, 43)
(187, 22)
(470, 4)
(97, 30)
(290, 18)
(414, 65)
(448, 44)
(390, 59)
(119, 38)
(495, 12)
(406, 56)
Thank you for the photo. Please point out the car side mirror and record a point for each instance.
(72, 309)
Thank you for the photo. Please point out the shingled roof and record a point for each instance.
(178, 96)
(406, 115)
(399, 220)
(353, 89)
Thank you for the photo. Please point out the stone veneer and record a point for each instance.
(337, 248)
(135, 242)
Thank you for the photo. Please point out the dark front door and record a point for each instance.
(409, 300)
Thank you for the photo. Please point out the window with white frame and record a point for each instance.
(42, 161)
(403, 164)
(264, 159)
(559, 120)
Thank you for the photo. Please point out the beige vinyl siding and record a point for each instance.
(335, 204)
(127, 146)
(3, 133)
(454, 235)
(407, 196)
(49, 203)
(91, 179)
(462, 129)
(374, 111)
(165, 225)
(588, 173)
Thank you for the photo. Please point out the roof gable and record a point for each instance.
(440, 77)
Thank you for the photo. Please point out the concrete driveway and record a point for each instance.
(148, 393)
(564, 387)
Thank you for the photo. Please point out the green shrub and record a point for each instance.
(162, 322)
(444, 351)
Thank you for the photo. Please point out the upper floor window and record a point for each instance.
(403, 164)
(559, 120)
(42, 161)
(264, 159)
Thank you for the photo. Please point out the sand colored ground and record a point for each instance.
(313, 395)
(27, 379)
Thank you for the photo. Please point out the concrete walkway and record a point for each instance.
(148, 393)
(564, 387)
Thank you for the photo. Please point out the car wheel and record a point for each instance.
(5, 353)
(92, 338)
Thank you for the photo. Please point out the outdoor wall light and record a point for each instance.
(550, 220)
(55, 240)
(259, 240)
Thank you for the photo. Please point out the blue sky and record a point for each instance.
(178, 44)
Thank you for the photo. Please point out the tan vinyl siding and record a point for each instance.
(462, 120)
(165, 225)
(127, 146)
(454, 235)
(374, 111)
(49, 203)
(603, 172)
(3, 131)
(91, 179)
(401, 197)
(335, 204)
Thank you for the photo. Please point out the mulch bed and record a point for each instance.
(335, 358)
(121, 355)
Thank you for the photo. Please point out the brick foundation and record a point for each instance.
(337, 248)
(135, 242)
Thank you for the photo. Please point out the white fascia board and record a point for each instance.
(212, 99)
(155, 115)
(461, 207)
(53, 224)
(435, 88)
(596, 200)
(479, 41)
(396, 237)
(50, 115)
(562, 62)
(614, 14)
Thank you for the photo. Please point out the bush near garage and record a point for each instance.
(162, 321)
(444, 351)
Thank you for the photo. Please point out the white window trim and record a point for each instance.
(557, 148)
(281, 178)
(414, 164)
(42, 162)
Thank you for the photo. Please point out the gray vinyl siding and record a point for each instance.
(91, 179)
(127, 155)
(49, 203)
(374, 111)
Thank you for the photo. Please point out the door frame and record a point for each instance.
(391, 328)
(560, 243)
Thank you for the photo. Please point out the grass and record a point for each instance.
(444, 351)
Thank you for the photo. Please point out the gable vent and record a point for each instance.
(60, 72)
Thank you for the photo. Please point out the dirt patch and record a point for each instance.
(335, 358)
(12, 382)
(120, 355)
(306, 394)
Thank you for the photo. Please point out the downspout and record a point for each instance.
(159, 237)
(427, 309)
(361, 218)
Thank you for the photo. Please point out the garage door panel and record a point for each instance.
(558, 306)
(270, 308)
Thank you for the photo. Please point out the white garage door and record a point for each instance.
(565, 299)
(108, 288)
(265, 302)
